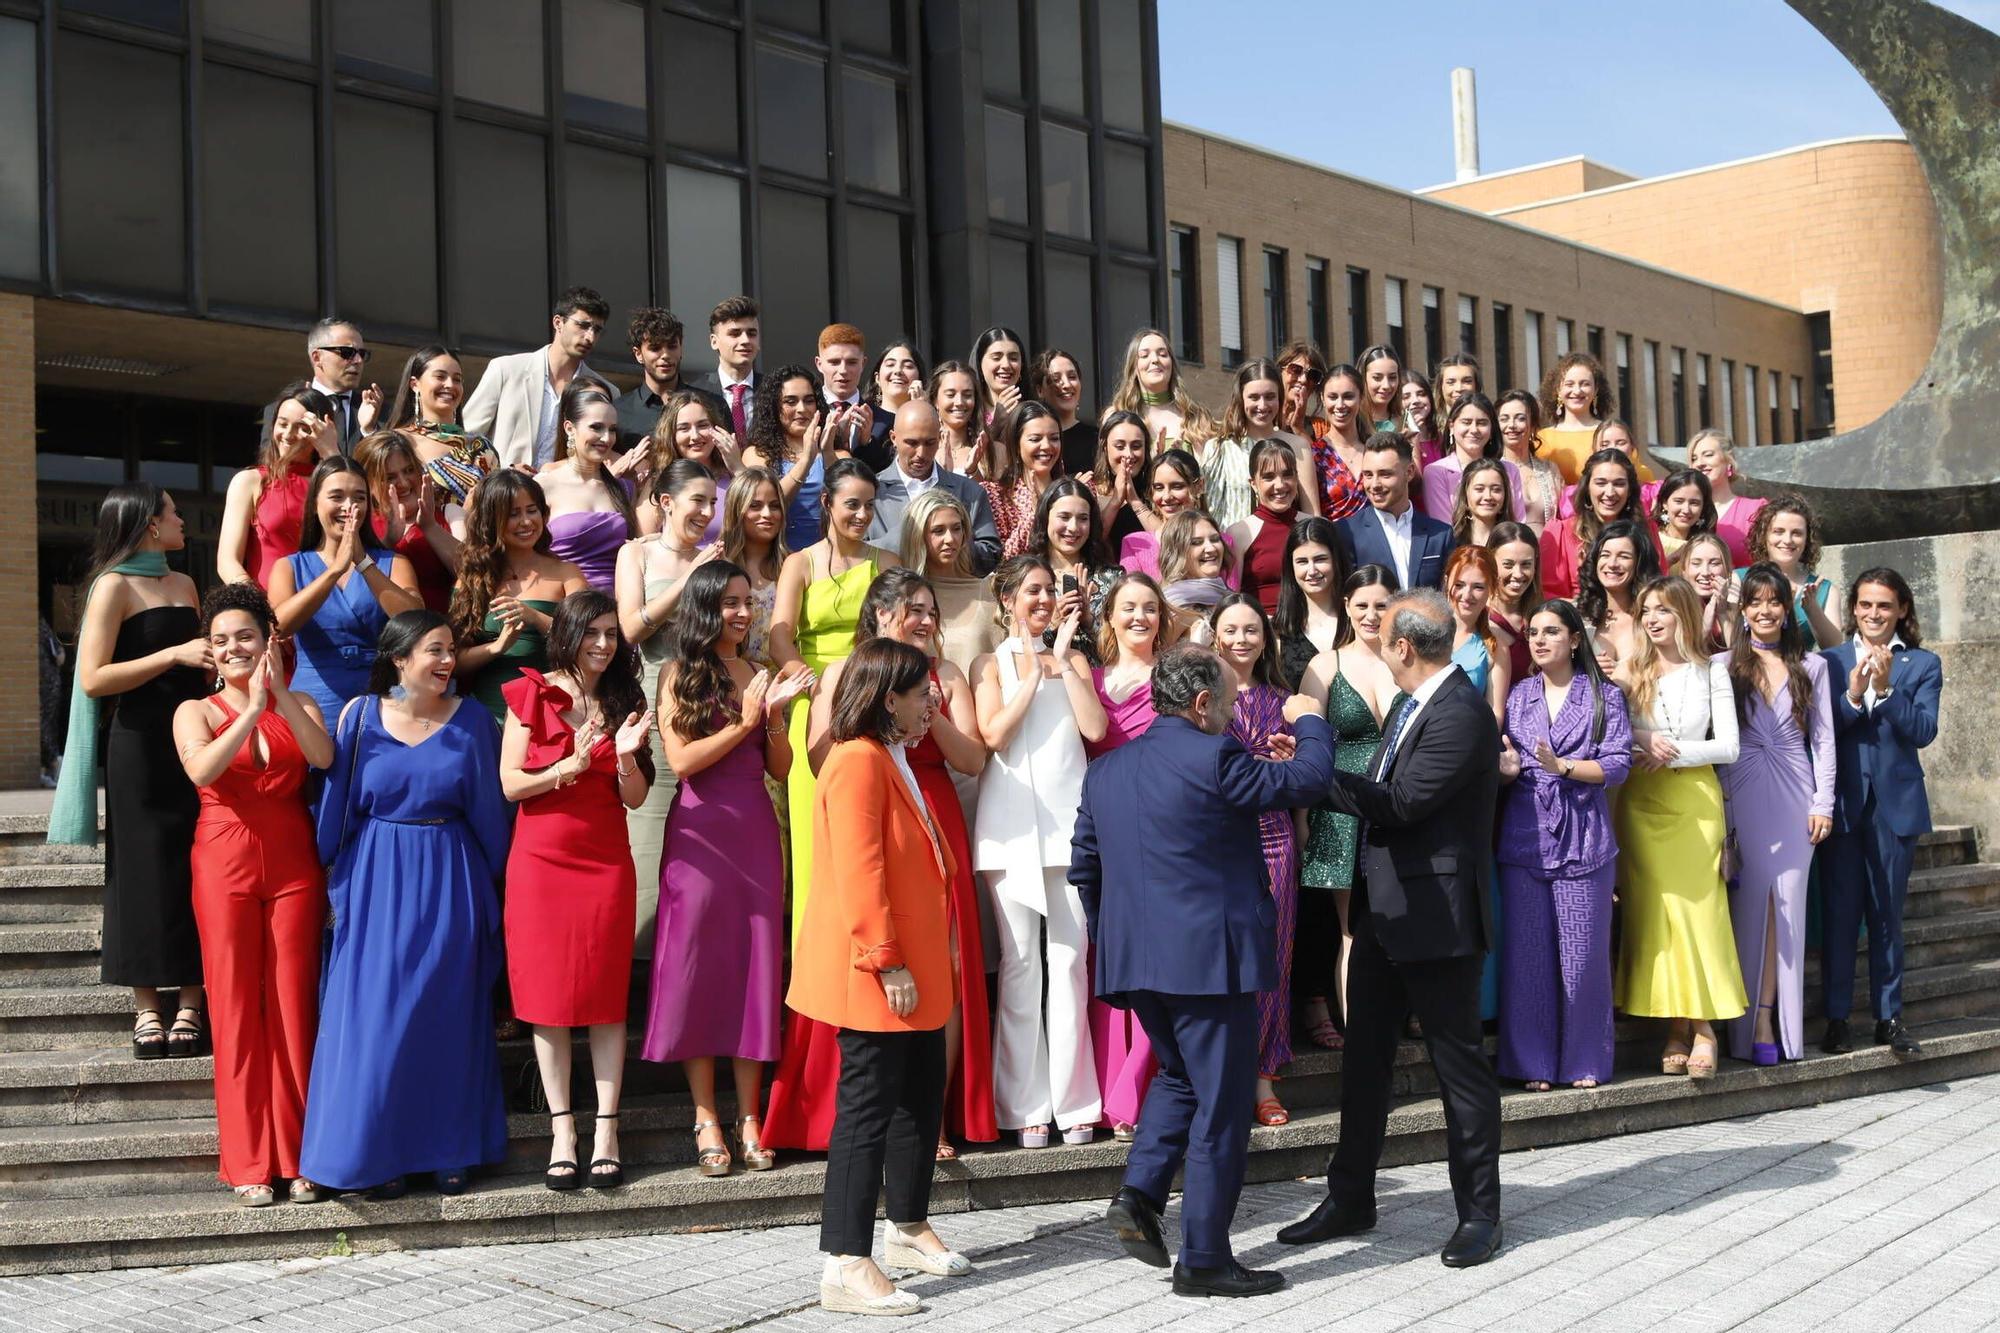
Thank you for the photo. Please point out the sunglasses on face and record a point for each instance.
(1312, 377)
(348, 353)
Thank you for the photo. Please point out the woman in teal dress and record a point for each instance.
(1353, 685)
(508, 586)
(1470, 577)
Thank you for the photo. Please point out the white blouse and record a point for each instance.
(1694, 706)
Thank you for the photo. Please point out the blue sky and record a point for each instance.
(1645, 86)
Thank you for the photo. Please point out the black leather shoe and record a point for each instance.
(1233, 1279)
(1330, 1220)
(1136, 1223)
(1475, 1241)
(1836, 1041)
(1896, 1037)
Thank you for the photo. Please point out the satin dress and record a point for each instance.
(828, 612)
(1118, 1043)
(1260, 715)
(336, 648)
(590, 540)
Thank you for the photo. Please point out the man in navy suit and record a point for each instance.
(1885, 709)
(1168, 862)
(1393, 531)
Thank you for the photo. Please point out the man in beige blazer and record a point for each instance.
(515, 404)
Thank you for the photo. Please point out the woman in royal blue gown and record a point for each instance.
(406, 1076)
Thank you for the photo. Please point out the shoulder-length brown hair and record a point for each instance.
(875, 670)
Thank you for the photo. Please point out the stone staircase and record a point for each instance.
(107, 1161)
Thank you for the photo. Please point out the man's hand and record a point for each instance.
(1300, 705)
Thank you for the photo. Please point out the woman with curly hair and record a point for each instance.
(788, 435)
(508, 586)
(1517, 415)
(1786, 534)
(1575, 398)
(1150, 384)
(1620, 562)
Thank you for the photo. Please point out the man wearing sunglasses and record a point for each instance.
(338, 354)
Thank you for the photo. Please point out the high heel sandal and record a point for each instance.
(1035, 1136)
(1699, 1067)
(711, 1161)
(149, 1036)
(837, 1297)
(305, 1191)
(607, 1173)
(562, 1176)
(189, 1042)
(756, 1157)
(1271, 1111)
(255, 1196)
(1765, 1052)
(1323, 1031)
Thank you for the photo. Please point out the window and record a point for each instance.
(387, 256)
(791, 105)
(1679, 365)
(388, 41)
(798, 15)
(873, 111)
(605, 207)
(1819, 332)
(160, 15)
(701, 96)
(1276, 332)
(1593, 338)
(279, 27)
(1357, 313)
(1624, 375)
(498, 59)
(1704, 401)
(1503, 347)
(1319, 318)
(1127, 306)
(1007, 273)
(871, 25)
(1777, 425)
(1798, 409)
(1433, 327)
(1565, 336)
(1393, 292)
(1729, 397)
(875, 294)
(1121, 81)
(1468, 325)
(794, 289)
(1184, 293)
(1651, 371)
(1532, 344)
(1750, 405)
(1059, 52)
(1000, 52)
(119, 172)
(1229, 298)
(1127, 212)
(20, 177)
(258, 220)
(1066, 181)
(604, 65)
(704, 251)
(1067, 318)
(1006, 166)
(503, 233)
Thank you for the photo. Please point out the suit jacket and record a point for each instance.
(878, 899)
(872, 445)
(1875, 752)
(506, 407)
(1363, 542)
(712, 383)
(892, 498)
(1168, 861)
(1428, 859)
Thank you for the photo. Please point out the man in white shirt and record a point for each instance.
(337, 352)
(1393, 531)
(857, 427)
(735, 334)
(914, 471)
(517, 403)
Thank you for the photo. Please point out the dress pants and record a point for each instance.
(1865, 875)
(1444, 994)
(1198, 1111)
(1043, 1068)
(261, 922)
(885, 1132)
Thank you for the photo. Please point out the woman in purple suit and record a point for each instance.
(1780, 792)
(1567, 739)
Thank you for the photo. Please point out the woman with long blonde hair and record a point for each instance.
(1150, 384)
(937, 543)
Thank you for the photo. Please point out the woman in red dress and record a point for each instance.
(408, 514)
(902, 605)
(266, 504)
(259, 893)
(574, 755)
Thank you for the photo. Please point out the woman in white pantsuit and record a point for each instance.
(1036, 708)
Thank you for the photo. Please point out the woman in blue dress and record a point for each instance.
(1470, 577)
(334, 596)
(406, 1076)
(796, 437)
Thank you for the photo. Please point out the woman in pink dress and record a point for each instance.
(1134, 623)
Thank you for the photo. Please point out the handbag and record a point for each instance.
(1732, 861)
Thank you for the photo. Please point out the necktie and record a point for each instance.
(345, 402)
(1395, 737)
(736, 392)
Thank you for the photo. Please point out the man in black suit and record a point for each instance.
(1421, 930)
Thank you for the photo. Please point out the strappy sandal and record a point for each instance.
(149, 1036)
(1270, 1111)
(1121, 1132)
(756, 1157)
(710, 1161)
(1673, 1061)
(562, 1176)
(945, 1151)
(607, 1173)
(1324, 1032)
(255, 1196)
(187, 1039)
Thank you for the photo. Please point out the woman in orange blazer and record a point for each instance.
(873, 959)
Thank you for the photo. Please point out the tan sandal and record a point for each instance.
(755, 1155)
(1699, 1066)
(711, 1161)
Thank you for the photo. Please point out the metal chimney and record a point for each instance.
(1465, 122)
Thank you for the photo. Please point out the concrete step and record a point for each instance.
(128, 1228)
(1948, 845)
(24, 840)
(1936, 890)
(51, 892)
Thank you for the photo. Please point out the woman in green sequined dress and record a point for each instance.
(1353, 685)
(508, 586)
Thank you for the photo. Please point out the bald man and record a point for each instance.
(914, 437)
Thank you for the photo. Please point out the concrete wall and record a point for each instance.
(20, 744)
(1527, 185)
(1956, 580)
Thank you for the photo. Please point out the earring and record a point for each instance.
(153, 532)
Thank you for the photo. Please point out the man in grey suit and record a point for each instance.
(915, 470)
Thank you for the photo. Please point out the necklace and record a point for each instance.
(409, 710)
(1151, 399)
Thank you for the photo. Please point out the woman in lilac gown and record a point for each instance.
(1557, 857)
(590, 511)
(590, 541)
(1780, 794)
(1133, 621)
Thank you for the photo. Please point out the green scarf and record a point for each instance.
(73, 819)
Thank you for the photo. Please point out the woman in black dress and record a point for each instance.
(141, 653)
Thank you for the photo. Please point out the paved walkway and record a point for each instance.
(1870, 1214)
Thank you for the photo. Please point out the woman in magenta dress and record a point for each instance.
(1249, 649)
(719, 948)
(1780, 792)
(574, 756)
(902, 605)
(1129, 639)
(266, 504)
(1260, 539)
(590, 510)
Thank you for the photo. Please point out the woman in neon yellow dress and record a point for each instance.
(820, 592)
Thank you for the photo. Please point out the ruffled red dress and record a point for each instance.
(571, 892)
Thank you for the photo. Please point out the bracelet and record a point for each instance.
(625, 772)
(646, 617)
